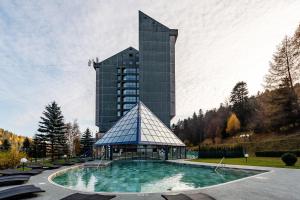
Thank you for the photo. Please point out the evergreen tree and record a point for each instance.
(26, 145)
(87, 143)
(284, 106)
(6, 145)
(239, 101)
(39, 146)
(53, 127)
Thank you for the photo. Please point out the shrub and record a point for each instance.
(289, 159)
(10, 159)
(221, 151)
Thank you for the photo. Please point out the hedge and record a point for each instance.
(219, 152)
(275, 153)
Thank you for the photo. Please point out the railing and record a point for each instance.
(220, 164)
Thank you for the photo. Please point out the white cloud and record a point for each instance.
(45, 46)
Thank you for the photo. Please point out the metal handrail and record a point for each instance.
(219, 164)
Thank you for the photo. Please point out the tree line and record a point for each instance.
(277, 109)
(56, 138)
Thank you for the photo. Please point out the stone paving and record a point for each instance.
(277, 184)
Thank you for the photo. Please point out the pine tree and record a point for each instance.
(239, 101)
(26, 145)
(284, 107)
(87, 143)
(6, 145)
(53, 127)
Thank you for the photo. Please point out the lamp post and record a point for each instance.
(246, 139)
(23, 161)
(65, 157)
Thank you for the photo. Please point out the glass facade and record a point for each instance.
(140, 126)
(124, 131)
(130, 75)
(131, 85)
(131, 78)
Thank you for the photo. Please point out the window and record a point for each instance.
(119, 85)
(128, 106)
(130, 77)
(119, 99)
(130, 55)
(119, 70)
(118, 106)
(129, 99)
(131, 85)
(118, 92)
(130, 62)
(130, 92)
(119, 78)
(130, 70)
(119, 114)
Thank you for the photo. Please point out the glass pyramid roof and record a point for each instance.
(140, 126)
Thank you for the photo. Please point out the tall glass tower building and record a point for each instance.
(131, 75)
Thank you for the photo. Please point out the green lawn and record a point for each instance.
(254, 161)
(25, 169)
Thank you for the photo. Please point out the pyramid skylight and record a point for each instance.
(140, 126)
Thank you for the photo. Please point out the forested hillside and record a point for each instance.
(275, 110)
(13, 139)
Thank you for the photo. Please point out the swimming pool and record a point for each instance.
(146, 176)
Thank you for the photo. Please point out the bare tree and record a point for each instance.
(72, 134)
(283, 66)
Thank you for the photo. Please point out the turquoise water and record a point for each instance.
(146, 176)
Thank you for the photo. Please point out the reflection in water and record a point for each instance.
(139, 176)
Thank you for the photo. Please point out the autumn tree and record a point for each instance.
(233, 124)
(53, 127)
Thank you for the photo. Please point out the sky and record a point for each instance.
(45, 47)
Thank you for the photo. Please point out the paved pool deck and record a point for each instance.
(276, 184)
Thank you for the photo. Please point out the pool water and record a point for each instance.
(146, 176)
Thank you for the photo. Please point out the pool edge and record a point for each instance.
(238, 167)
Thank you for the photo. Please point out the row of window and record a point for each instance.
(129, 99)
(129, 85)
(128, 92)
(129, 70)
(129, 78)
(130, 62)
(126, 106)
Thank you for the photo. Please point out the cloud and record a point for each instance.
(45, 46)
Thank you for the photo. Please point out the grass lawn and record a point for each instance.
(254, 161)
(25, 169)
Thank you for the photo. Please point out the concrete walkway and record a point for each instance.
(278, 184)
